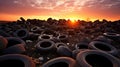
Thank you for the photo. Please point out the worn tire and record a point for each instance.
(4, 34)
(60, 44)
(60, 62)
(64, 51)
(33, 36)
(45, 37)
(36, 30)
(75, 52)
(95, 58)
(81, 46)
(16, 49)
(45, 46)
(49, 32)
(3, 42)
(21, 33)
(62, 38)
(103, 39)
(97, 45)
(16, 60)
(112, 35)
(14, 41)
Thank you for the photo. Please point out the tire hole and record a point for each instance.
(102, 47)
(12, 63)
(45, 37)
(21, 33)
(82, 47)
(12, 42)
(45, 44)
(59, 64)
(98, 61)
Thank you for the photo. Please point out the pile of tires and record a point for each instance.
(16, 60)
(95, 58)
(95, 53)
(12, 45)
(60, 62)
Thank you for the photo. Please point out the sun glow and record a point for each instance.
(72, 23)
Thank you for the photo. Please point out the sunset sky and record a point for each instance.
(60, 9)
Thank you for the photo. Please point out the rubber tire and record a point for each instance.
(113, 36)
(33, 36)
(81, 46)
(108, 47)
(45, 37)
(76, 51)
(4, 34)
(3, 42)
(36, 30)
(49, 32)
(69, 61)
(82, 56)
(43, 49)
(16, 49)
(28, 62)
(60, 44)
(14, 41)
(64, 51)
(23, 36)
(103, 39)
(62, 38)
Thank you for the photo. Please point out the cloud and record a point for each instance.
(72, 5)
(42, 4)
(61, 6)
(19, 2)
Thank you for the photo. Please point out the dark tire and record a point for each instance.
(45, 46)
(103, 39)
(14, 41)
(3, 42)
(112, 35)
(16, 60)
(21, 33)
(49, 32)
(63, 38)
(97, 45)
(33, 36)
(36, 30)
(64, 51)
(45, 37)
(75, 52)
(16, 49)
(95, 58)
(4, 34)
(60, 62)
(81, 46)
(60, 44)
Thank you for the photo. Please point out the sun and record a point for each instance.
(73, 22)
(73, 19)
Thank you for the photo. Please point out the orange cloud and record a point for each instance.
(68, 9)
